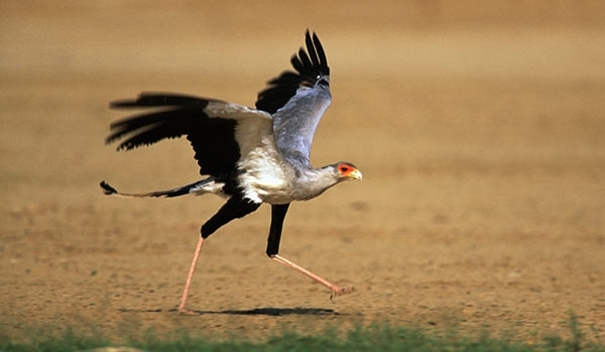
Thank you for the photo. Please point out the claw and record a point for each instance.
(341, 291)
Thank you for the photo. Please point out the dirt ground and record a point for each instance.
(480, 132)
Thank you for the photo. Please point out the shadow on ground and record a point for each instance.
(268, 311)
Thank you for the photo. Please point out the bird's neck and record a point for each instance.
(312, 182)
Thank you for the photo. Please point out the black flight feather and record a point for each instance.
(212, 139)
(309, 65)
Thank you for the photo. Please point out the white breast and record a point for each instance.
(264, 178)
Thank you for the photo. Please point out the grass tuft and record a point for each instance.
(375, 337)
(41, 340)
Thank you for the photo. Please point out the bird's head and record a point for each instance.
(347, 171)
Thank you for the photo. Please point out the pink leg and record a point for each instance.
(196, 256)
(336, 290)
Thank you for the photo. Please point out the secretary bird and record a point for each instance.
(250, 156)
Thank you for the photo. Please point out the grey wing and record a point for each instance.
(298, 100)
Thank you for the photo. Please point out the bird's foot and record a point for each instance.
(340, 291)
(185, 311)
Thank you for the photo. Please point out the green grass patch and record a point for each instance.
(370, 338)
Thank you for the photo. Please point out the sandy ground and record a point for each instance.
(480, 132)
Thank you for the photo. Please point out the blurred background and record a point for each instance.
(479, 127)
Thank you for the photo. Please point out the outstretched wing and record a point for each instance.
(298, 100)
(219, 132)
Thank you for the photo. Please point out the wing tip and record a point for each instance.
(308, 63)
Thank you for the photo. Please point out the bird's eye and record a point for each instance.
(344, 169)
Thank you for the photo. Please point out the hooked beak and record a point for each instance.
(355, 174)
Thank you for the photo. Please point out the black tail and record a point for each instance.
(107, 189)
(193, 187)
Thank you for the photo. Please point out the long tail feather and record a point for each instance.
(196, 187)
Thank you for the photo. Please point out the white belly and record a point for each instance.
(264, 180)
